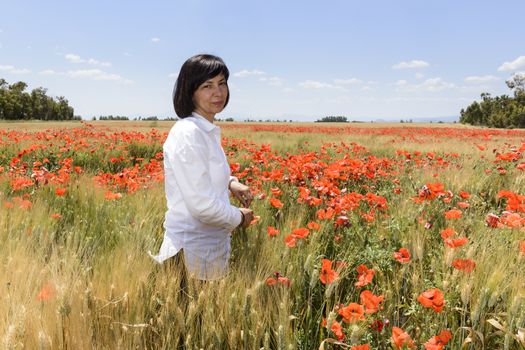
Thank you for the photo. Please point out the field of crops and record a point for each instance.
(367, 236)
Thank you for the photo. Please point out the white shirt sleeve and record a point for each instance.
(189, 159)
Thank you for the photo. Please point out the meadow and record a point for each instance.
(367, 236)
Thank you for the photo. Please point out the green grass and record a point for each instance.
(107, 293)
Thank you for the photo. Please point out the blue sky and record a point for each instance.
(288, 59)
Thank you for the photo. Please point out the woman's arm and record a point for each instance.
(189, 160)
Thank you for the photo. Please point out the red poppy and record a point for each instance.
(522, 247)
(342, 221)
(313, 225)
(276, 192)
(377, 325)
(365, 276)
(46, 293)
(290, 240)
(25, 204)
(448, 232)
(439, 341)
(402, 255)
(351, 313)
(512, 220)
(327, 214)
(436, 188)
(272, 231)
(401, 339)
(301, 233)
(453, 214)
(466, 265)
(463, 205)
(337, 329)
(277, 278)
(464, 195)
(370, 301)
(112, 196)
(256, 218)
(327, 275)
(492, 220)
(432, 298)
(270, 281)
(360, 347)
(20, 183)
(456, 242)
(56, 216)
(60, 191)
(274, 202)
(285, 281)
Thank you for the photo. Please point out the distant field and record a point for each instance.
(166, 124)
(386, 235)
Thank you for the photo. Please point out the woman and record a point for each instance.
(200, 217)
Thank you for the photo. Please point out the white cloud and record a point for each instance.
(431, 85)
(13, 69)
(233, 87)
(518, 63)
(246, 73)
(411, 64)
(77, 59)
(347, 81)
(97, 74)
(419, 75)
(274, 81)
(127, 54)
(47, 72)
(312, 84)
(173, 75)
(436, 84)
(74, 58)
(98, 63)
(481, 79)
(367, 88)
(155, 40)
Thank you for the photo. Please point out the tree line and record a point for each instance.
(499, 111)
(17, 104)
(333, 119)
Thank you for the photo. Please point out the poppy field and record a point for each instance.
(366, 236)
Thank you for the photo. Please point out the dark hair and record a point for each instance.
(195, 71)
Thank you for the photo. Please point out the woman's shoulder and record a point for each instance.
(185, 130)
(184, 126)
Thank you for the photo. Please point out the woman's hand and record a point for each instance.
(241, 192)
(247, 217)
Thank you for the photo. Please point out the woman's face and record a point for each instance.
(210, 97)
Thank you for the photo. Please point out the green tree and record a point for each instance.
(16, 103)
(501, 111)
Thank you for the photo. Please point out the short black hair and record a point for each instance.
(195, 71)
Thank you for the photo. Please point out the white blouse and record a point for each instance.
(199, 218)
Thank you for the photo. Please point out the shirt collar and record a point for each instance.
(204, 123)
